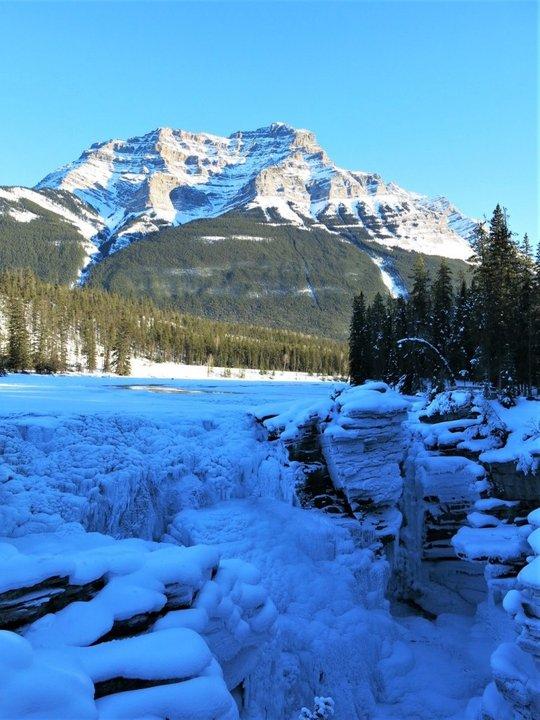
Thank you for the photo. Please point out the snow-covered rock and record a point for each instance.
(349, 448)
(154, 634)
(439, 491)
(363, 444)
(515, 691)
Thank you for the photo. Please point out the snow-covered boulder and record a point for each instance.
(438, 493)
(125, 628)
(450, 405)
(363, 444)
(515, 690)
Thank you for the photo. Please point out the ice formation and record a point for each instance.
(237, 549)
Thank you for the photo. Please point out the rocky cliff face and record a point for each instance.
(172, 176)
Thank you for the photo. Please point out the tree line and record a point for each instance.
(485, 331)
(53, 328)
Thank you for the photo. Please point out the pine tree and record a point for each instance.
(441, 314)
(420, 299)
(535, 312)
(377, 323)
(496, 276)
(360, 359)
(524, 320)
(89, 348)
(19, 356)
(463, 335)
(122, 351)
(418, 363)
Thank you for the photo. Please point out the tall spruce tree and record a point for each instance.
(420, 299)
(377, 324)
(418, 362)
(442, 307)
(497, 274)
(19, 354)
(463, 333)
(89, 348)
(360, 357)
(524, 320)
(122, 350)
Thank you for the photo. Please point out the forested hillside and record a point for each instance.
(42, 242)
(51, 328)
(239, 269)
(486, 331)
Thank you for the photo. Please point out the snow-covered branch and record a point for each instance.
(432, 347)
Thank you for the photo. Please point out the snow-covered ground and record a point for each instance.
(189, 398)
(182, 462)
(141, 367)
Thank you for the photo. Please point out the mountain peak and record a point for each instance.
(172, 176)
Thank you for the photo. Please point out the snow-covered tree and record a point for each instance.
(323, 708)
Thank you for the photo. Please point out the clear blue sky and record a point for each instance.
(440, 97)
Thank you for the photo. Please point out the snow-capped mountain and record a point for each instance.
(170, 177)
(260, 226)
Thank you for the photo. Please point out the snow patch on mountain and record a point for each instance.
(23, 216)
(390, 280)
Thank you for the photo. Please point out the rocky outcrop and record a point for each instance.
(439, 492)
(363, 445)
(347, 455)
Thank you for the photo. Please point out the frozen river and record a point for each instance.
(183, 461)
(41, 395)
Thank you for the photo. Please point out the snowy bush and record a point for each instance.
(323, 708)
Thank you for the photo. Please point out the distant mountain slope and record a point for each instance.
(237, 268)
(51, 232)
(259, 226)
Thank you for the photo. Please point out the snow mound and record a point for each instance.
(136, 628)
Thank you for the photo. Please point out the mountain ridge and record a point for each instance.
(170, 177)
(260, 225)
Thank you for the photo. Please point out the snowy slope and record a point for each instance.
(173, 176)
(79, 215)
